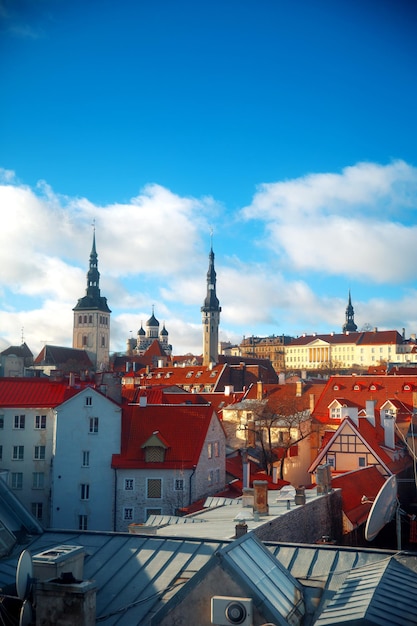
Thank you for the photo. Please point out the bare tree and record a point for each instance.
(279, 424)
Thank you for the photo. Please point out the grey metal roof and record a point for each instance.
(383, 594)
(137, 575)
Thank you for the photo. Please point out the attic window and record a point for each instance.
(213, 374)
(336, 387)
(154, 454)
(189, 374)
(407, 387)
(198, 374)
(356, 388)
(168, 374)
(372, 388)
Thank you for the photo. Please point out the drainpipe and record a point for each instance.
(115, 500)
(191, 476)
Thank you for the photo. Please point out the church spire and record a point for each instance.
(91, 329)
(93, 275)
(349, 325)
(211, 316)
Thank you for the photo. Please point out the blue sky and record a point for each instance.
(289, 128)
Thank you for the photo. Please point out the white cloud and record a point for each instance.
(347, 224)
(151, 252)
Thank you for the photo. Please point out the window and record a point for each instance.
(217, 476)
(88, 401)
(1, 422)
(362, 461)
(153, 512)
(331, 460)
(85, 491)
(19, 421)
(128, 513)
(129, 484)
(1, 453)
(210, 450)
(18, 453)
(179, 484)
(39, 453)
(216, 448)
(17, 480)
(86, 458)
(90, 319)
(38, 480)
(93, 425)
(154, 488)
(210, 477)
(82, 522)
(40, 422)
(37, 510)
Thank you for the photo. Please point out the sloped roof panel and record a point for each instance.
(33, 393)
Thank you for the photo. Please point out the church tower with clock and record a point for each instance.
(211, 317)
(91, 330)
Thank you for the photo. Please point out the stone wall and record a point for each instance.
(307, 523)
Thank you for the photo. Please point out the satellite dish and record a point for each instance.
(383, 508)
(24, 575)
(26, 614)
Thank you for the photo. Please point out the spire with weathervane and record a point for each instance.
(211, 316)
(349, 325)
(91, 330)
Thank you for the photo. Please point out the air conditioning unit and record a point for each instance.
(226, 610)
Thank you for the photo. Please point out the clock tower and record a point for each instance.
(211, 317)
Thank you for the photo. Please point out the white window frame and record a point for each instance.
(85, 458)
(93, 428)
(19, 422)
(38, 480)
(39, 453)
(16, 480)
(40, 422)
(84, 491)
(18, 453)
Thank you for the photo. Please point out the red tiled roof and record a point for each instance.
(183, 427)
(392, 337)
(356, 390)
(364, 482)
(33, 392)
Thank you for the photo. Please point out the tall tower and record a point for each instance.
(211, 316)
(349, 325)
(91, 330)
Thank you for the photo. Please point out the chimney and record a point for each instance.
(240, 529)
(312, 399)
(389, 437)
(245, 469)
(260, 497)
(251, 434)
(299, 388)
(352, 413)
(259, 390)
(281, 378)
(370, 411)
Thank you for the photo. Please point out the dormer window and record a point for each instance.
(154, 449)
(372, 388)
(356, 388)
(336, 388)
(407, 387)
(154, 454)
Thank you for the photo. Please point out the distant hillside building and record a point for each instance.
(341, 351)
(91, 330)
(15, 360)
(146, 338)
(272, 348)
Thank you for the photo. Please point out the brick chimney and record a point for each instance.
(260, 497)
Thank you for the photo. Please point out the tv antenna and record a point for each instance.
(383, 510)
